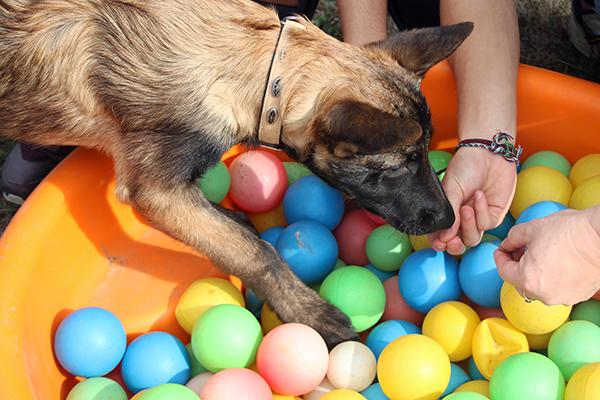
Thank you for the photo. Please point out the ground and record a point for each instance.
(544, 43)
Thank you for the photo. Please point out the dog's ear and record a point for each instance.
(418, 50)
(350, 127)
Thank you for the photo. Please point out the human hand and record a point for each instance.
(555, 259)
(480, 186)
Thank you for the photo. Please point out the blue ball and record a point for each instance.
(428, 278)
(253, 303)
(388, 331)
(374, 392)
(90, 342)
(474, 371)
(272, 234)
(458, 376)
(310, 249)
(501, 231)
(539, 210)
(153, 359)
(311, 199)
(382, 275)
(479, 276)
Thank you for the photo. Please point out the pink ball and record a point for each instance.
(396, 307)
(293, 359)
(376, 218)
(258, 181)
(235, 384)
(352, 234)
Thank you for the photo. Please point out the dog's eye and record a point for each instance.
(414, 156)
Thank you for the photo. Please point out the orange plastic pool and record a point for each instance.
(73, 245)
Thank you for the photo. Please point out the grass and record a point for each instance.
(544, 43)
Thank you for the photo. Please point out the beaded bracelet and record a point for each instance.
(500, 144)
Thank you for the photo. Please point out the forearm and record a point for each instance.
(485, 66)
(363, 21)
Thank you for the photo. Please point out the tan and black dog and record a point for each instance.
(166, 87)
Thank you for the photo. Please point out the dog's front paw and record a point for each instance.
(332, 324)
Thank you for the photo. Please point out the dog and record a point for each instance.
(165, 88)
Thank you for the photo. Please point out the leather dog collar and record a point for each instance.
(271, 114)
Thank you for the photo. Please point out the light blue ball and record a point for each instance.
(539, 210)
(388, 331)
(311, 199)
(90, 342)
(382, 275)
(428, 278)
(474, 371)
(479, 276)
(253, 303)
(458, 376)
(501, 231)
(310, 249)
(153, 359)
(272, 234)
(374, 392)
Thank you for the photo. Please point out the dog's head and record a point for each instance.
(369, 136)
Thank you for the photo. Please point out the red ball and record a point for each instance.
(258, 181)
(376, 218)
(396, 307)
(352, 234)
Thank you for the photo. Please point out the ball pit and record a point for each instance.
(586, 195)
(479, 277)
(97, 388)
(477, 386)
(215, 182)
(574, 345)
(343, 394)
(540, 210)
(585, 168)
(396, 307)
(458, 377)
(550, 159)
(374, 392)
(387, 248)
(352, 234)
(465, 396)
(388, 331)
(235, 384)
(295, 171)
(584, 384)
(587, 311)
(311, 199)
(169, 391)
(269, 219)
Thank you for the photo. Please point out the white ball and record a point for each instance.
(197, 383)
(323, 388)
(352, 365)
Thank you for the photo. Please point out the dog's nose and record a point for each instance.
(435, 220)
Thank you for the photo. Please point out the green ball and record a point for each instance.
(527, 376)
(196, 368)
(339, 264)
(550, 159)
(170, 391)
(295, 171)
(487, 237)
(387, 248)
(587, 311)
(215, 183)
(226, 336)
(465, 396)
(574, 345)
(358, 293)
(439, 160)
(97, 389)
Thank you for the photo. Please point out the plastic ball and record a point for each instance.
(585, 168)
(358, 293)
(584, 384)
(253, 302)
(452, 325)
(169, 391)
(343, 394)
(465, 396)
(139, 395)
(235, 384)
(396, 307)
(226, 336)
(317, 393)
(387, 248)
(574, 345)
(501, 231)
(535, 317)
(352, 234)
(196, 368)
(352, 365)
(478, 276)
(586, 195)
(339, 264)
(439, 161)
(388, 331)
(550, 159)
(537, 184)
(258, 181)
(539, 342)
(374, 392)
(428, 278)
(311, 199)
(268, 319)
(281, 397)
(474, 371)
(375, 218)
(293, 359)
(97, 388)
(271, 235)
(90, 342)
(478, 386)
(587, 311)
(310, 249)
(269, 219)
(198, 382)
(295, 171)
(153, 359)
(495, 340)
(513, 379)
(488, 312)
(202, 295)
(382, 275)
(215, 182)
(419, 242)
(540, 210)
(458, 376)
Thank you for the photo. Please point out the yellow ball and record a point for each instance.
(585, 168)
(282, 397)
(586, 195)
(584, 384)
(478, 386)
(419, 242)
(452, 325)
(202, 295)
(343, 394)
(268, 319)
(413, 367)
(537, 184)
(495, 339)
(534, 318)
(539, 342)
(269, 219)
(139, 395)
